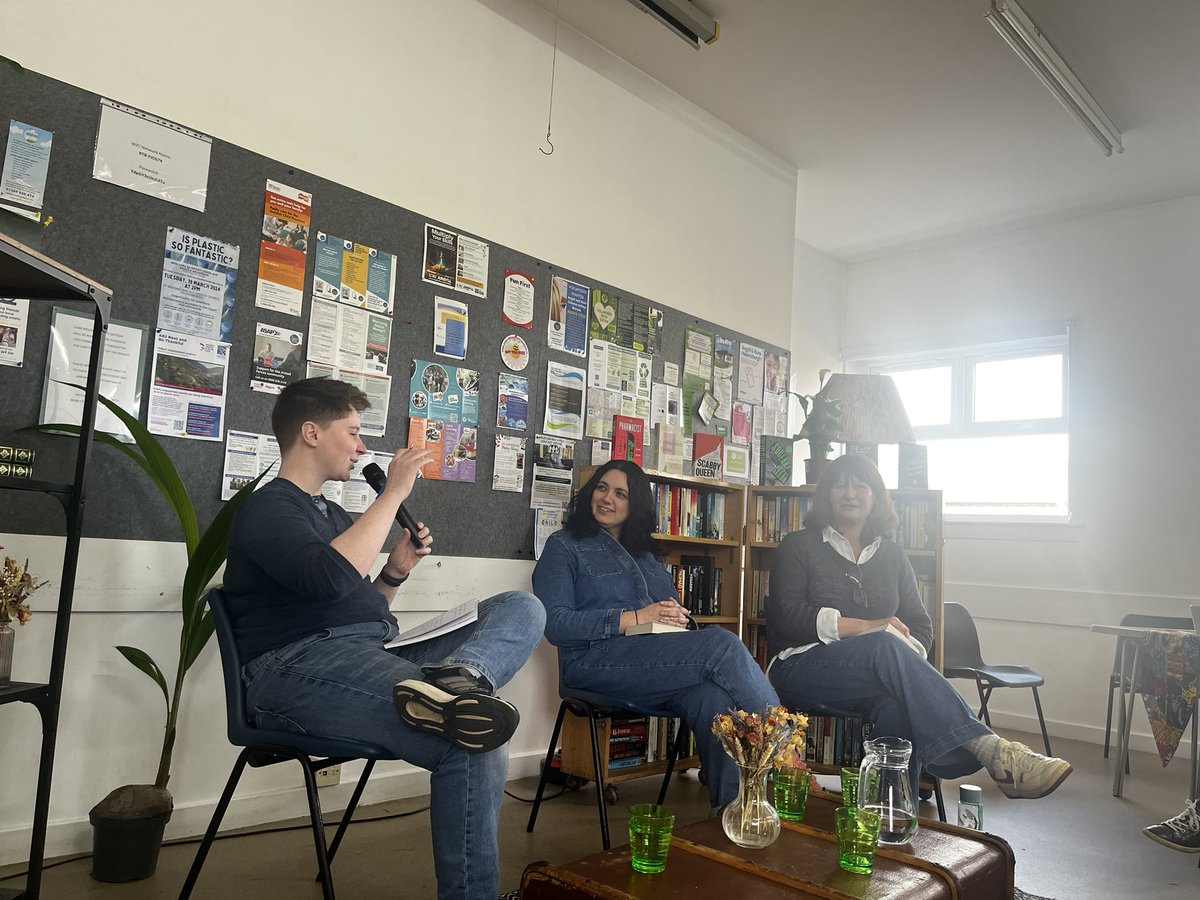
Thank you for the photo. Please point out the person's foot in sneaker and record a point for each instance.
(1180, 833)
(1022, 774)
(457, 705)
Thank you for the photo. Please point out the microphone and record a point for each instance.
(377, 480)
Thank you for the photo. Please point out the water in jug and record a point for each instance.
(884, 786)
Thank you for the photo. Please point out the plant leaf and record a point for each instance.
(16, 66)
(142, 661)
(203, 564)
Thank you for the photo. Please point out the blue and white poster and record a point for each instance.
(512, 402)
(198, 283)
(26, 167)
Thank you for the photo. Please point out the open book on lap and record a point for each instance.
(443, 623)
(912, 642)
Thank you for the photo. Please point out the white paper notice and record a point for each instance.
(348, 338)
(553, 471)
(187, 390)
(471, 275)
(151, 155)
(247, 455)
(547, 521)
(14, 316)
(508, 471)
(378, 388)
(750, 373)
(67, 363)
(518, 299)
(671, 373)
(564, 400)
(26, 166)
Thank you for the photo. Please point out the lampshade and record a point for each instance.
(859, 409)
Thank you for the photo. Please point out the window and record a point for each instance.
(995, 422)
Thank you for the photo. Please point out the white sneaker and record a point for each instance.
(1022, 774)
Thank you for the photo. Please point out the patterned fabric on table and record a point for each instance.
(1170, 662)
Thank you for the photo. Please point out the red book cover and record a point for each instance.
(628, 438)
(708, 455)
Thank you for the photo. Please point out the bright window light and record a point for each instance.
(926, 394)
(1015, 389)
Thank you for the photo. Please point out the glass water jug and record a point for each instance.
(884, 786)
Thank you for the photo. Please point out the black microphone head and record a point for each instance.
(374, 476)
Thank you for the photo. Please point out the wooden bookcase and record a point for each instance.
(717, 537)
(772, 512)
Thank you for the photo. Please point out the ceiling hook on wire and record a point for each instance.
(553, 65)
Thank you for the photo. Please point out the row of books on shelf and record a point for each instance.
(775, 516)
(834, 741)
(756, 643)
(698, 582)
(760, 580)
(689, 511)
(917, 526)
(638, 742)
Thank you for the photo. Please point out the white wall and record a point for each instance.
(447, 102)
(1128, 280)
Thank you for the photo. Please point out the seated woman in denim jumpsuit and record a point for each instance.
(603, 573)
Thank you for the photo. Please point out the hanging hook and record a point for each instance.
(553, 66)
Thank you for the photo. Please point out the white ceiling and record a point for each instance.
(912, 120)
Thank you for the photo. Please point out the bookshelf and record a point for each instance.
(700, 526)
(629, 748)
(772, 512)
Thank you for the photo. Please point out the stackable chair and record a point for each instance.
(596, 707)
(1122, 677)
(962, 659)
(263, 747)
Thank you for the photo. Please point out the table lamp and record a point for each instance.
(861, 411)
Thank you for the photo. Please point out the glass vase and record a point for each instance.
(7, 637)
(750, 820)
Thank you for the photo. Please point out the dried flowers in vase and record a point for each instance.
(16, 584)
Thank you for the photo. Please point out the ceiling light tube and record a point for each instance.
(1023, 35)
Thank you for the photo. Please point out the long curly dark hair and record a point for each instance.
(636, 533)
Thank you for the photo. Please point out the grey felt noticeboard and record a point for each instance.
(116, 236)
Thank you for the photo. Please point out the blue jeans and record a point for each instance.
(694, 675)
(879, 678)
(338, 683)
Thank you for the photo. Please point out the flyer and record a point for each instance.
(441, 256)
(565, 392)
(512, 406)
(247, 455)
(355, 495)
(603, 405)
(26, 168)
(740, 423)
(602, 320)
(450, 321)
(775, 372)
(348, 337)
(278, 358)
(154, 156)
(547, 521)
(737, 462)
(443, 408)
(566, 328)
(198, 282)
(471, 273)
(68, 361)
(354, 274)
(283, 248)
(697, 359)
(518, 299)
(750, 373)
(187, 390)
(553, 472)
(377, 387)
(614, 368)
(508, 470)
(14, 319)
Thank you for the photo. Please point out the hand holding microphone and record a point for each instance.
(377, 480)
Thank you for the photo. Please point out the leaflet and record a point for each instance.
(247, 455)
(348, 338)
(198, 283)
(283, 248)
(565, 393)
(14, 324)
(508, 468)
(187, 391)
(354, 274)
(378, 388)
(26, 167)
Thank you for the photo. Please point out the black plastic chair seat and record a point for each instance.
(1001, 676)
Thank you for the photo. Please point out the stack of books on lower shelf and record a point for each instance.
(834, 741)
(628, 743)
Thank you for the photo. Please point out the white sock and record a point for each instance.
(984, 749)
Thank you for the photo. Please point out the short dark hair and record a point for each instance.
(636, 533)
(321, 400)
(882, 520)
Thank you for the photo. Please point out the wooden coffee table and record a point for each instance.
(942, 861)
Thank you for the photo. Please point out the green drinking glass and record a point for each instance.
(857, 838)
(650, 828)
(791, 793)
(850, 786)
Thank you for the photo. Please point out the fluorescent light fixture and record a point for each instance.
(691, 23)
(1023, 35)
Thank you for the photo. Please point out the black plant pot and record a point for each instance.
(127, 834)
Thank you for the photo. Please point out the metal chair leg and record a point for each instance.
(537, 800)
(349, 813)
(676, 752)
(937, 795)
(214, 824)
(1108, 720)
(983, 702)
(599, 780)
(318, 827)
(1041, 721)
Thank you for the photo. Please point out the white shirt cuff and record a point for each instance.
(827, 624)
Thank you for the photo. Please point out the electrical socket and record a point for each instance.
(329, 775)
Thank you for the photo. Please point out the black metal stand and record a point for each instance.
(27, 274)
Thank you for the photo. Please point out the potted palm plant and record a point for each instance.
(127, 825)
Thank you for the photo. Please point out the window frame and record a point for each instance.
(962, 362)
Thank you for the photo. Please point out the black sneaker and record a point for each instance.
(457, 680)
(1181, 833)
(457, 706)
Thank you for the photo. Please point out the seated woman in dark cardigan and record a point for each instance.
(832, 584)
